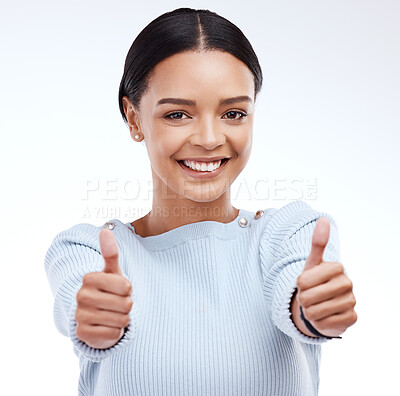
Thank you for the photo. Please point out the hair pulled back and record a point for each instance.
(183, 29)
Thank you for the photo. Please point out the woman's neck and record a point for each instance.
(165, 218)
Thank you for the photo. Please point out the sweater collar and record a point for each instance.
(196, 230)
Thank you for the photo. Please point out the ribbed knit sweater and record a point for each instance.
(210, 312)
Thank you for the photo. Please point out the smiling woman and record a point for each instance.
(198, 297)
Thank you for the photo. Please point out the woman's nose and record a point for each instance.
(208, 134)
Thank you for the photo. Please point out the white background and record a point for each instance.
(327, 119)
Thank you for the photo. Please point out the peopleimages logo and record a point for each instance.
(113, 198)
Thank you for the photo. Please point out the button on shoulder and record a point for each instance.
(110, 225)
(259, 214)
(243, 222)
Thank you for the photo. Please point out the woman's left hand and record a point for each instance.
(324, 291)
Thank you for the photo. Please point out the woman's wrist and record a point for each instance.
(302, 323)
(296, 318)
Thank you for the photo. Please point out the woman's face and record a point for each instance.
(199, 105)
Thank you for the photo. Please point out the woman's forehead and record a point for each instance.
(192, 74)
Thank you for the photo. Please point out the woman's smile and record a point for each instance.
(203, 169)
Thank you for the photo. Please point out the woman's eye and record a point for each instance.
(177, 115)
(232, 115)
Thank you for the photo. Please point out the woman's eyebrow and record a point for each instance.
(188, 102)
(236, 99)
(177, 101)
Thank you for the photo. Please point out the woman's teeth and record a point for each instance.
(202, 166)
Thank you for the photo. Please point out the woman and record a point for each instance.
(198, 297)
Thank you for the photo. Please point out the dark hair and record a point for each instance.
(183, 29)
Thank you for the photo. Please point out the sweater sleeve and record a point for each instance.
(72, 254)
(284, 247)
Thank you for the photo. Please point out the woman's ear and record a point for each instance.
(132, 116)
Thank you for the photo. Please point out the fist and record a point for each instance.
(324, 291)
(104, 300)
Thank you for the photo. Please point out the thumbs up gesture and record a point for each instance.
(324, 291)
(104, 300)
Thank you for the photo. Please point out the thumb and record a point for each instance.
(319, 240)
(109, 251)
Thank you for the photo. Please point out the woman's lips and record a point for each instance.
(205, 174)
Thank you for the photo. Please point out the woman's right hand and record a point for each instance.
(104, 300)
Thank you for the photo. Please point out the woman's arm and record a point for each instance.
(284, 248)
(73, 257)
(324, 291)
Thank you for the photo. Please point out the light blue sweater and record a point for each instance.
(210, 311)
